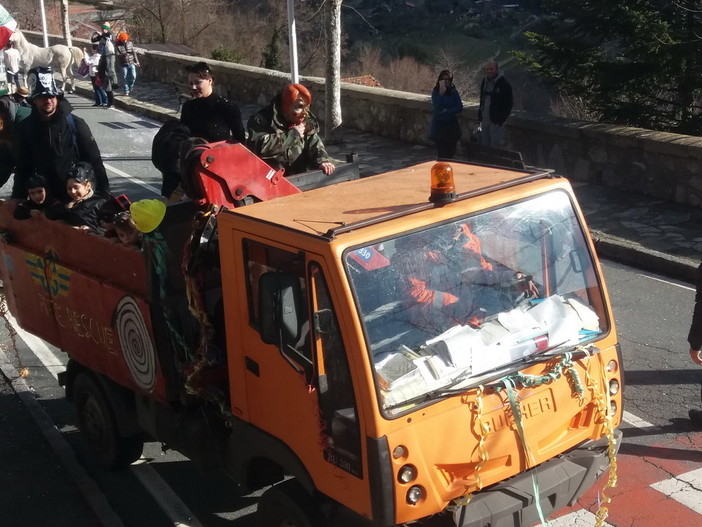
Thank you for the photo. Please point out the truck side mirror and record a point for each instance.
(278, 312)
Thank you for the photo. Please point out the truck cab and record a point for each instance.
(431, 345)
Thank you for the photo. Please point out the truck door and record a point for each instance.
(298, 382)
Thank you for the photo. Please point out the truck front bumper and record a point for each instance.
(562, 481)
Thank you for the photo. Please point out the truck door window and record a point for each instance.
(454, 303)
(337, 402)
(260, 259)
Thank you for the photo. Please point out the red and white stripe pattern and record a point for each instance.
(8, 25)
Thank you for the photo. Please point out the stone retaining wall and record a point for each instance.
(663, 165)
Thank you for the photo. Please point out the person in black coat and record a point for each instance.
(84, 209)
(51, 140)
(208, 115)
(39, 203)
(694, 337)
(495, 105)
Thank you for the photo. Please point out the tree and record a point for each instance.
(65, 23)
(332, 99)
(632, 62)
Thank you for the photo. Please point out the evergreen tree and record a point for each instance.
(632, 62)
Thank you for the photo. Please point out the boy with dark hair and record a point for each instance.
(84, 209)
(39, 203)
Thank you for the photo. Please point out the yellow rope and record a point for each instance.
(483, 430)
(600, 399)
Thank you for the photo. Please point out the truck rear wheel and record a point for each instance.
(287, 505)
(98, 427)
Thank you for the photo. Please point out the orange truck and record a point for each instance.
(430, 346)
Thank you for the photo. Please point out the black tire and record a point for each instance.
(287, 505)
(98, 427)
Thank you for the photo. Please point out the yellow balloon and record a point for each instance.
(147, 214)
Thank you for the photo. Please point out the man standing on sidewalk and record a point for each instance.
(695, 339)
(495, 105)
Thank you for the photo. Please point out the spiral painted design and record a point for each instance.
(137, 348)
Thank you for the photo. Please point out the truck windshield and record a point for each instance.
(453, 302)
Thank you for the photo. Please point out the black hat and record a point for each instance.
(82, 172)
(35, 181)
(41, 82)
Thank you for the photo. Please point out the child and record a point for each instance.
(85, 204)
(127, 231)
(39, 203)
(93, 60)
(108, 211)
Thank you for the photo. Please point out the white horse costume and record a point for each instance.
(58, 57)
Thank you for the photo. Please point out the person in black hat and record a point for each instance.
(52, 140)
(84, 209)
(39, 204)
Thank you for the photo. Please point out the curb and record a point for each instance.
(153, 111)
(634, 254)
(94, 497)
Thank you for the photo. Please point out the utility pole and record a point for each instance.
(332, 94)
(66, 23)
(292, 40)
(43, 23)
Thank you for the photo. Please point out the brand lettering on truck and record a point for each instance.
(539, 404)
(81, 324)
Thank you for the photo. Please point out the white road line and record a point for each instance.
(87, 486)
(667, 282)
(176, 510)
(132, 179)
(684, 489)
(169, 501)
(47, 357)
(631, 419)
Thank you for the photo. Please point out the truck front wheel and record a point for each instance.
(99, 428)
(287, 505)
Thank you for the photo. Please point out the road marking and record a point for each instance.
(132, 179)
(164, 495)
(86, 485)
(631, 419)
(667, 282)
(47, 357)
(176, 510)
(685, 488)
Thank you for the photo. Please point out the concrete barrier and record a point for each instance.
(662, 165)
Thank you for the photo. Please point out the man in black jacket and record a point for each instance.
(52, 140)
(695, 339)
(495, 105)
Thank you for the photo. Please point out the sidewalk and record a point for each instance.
(631, 228)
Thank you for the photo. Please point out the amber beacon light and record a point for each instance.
(443, 189)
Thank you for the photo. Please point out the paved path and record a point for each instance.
(628, 227)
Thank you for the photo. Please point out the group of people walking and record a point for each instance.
(106, 52)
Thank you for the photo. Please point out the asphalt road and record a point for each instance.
(652, 315)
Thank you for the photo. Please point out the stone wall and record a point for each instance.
(663, 165)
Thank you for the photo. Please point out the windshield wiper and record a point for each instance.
(545, 356)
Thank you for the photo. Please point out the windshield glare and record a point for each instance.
(455, 301)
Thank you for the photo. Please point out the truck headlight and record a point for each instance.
(414, 494)
(406, 474)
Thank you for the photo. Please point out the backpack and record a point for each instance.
(71, 122)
